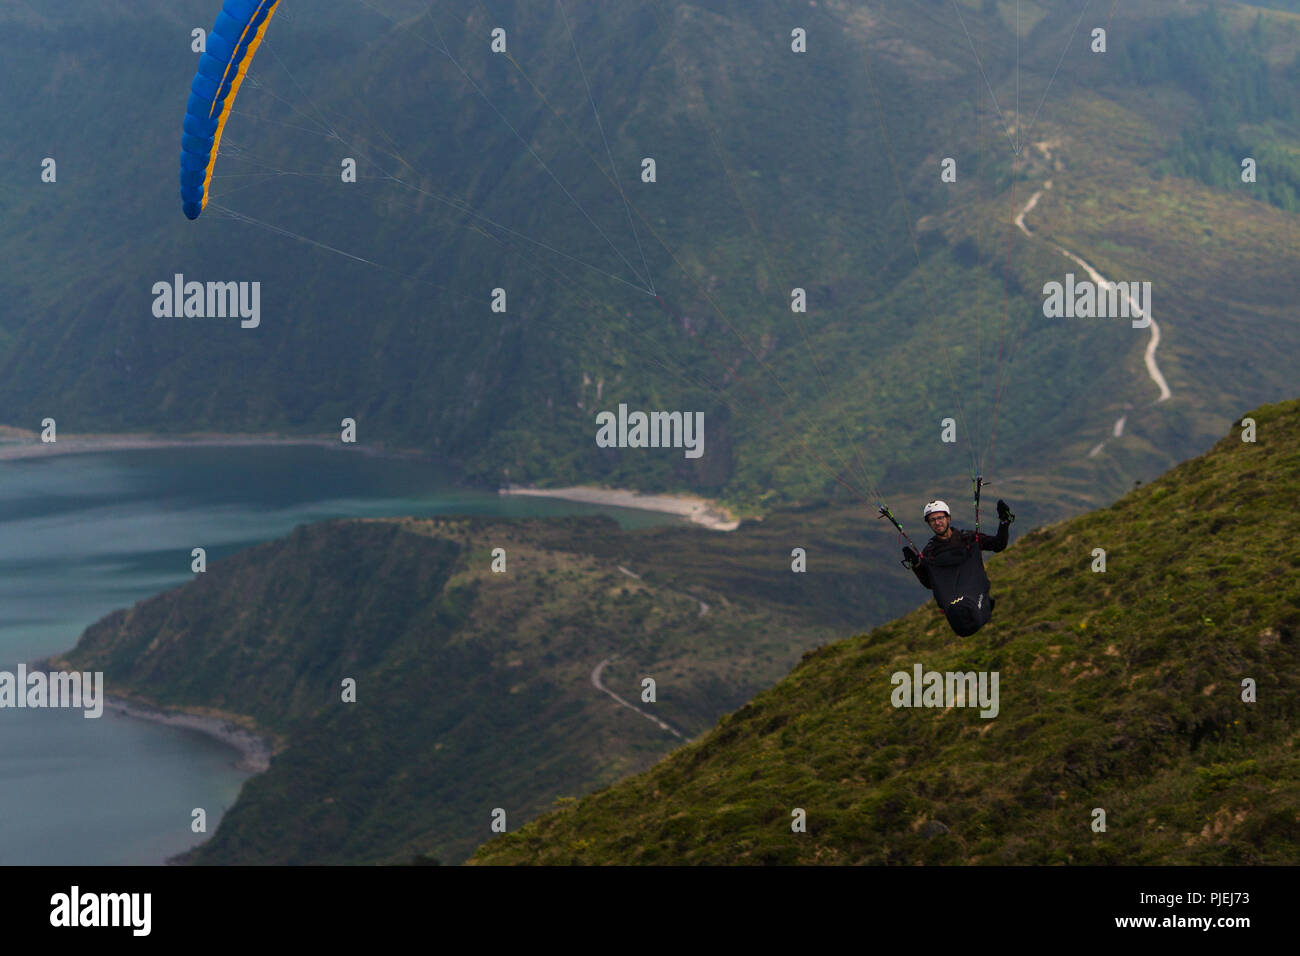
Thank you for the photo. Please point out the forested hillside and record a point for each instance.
(1162, 691)
(775, 171)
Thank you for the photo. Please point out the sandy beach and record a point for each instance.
(20, 443)
(699, 510)
(255, 751)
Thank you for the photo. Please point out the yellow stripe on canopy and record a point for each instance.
(234, 90)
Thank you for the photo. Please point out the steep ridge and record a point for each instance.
(1119, 691)
(403, 340)
(473, 687)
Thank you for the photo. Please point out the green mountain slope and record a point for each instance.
(474, 688)
(1119, 690)
(776, 171)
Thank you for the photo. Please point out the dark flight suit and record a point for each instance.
(954, 571)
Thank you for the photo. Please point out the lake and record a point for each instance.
(82, 535)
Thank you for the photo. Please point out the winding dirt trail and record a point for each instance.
(596, 682)
(704, 605)
(1153, 370)
(595, 674)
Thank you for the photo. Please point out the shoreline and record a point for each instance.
(18, 444)
(255, 750)
(699, 510)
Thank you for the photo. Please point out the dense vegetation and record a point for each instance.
(473, 687)
(775, 171)
(1120, 690)
(1247, 106)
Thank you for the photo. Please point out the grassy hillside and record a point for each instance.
(474, 688)
(1119, 690)
(776, 171)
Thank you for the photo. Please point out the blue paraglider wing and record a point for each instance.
(231, 45)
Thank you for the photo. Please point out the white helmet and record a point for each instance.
(934, 506)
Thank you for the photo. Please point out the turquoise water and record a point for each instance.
(82, 535)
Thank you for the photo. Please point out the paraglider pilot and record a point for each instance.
(952, 567)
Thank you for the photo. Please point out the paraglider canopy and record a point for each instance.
(234, 40)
